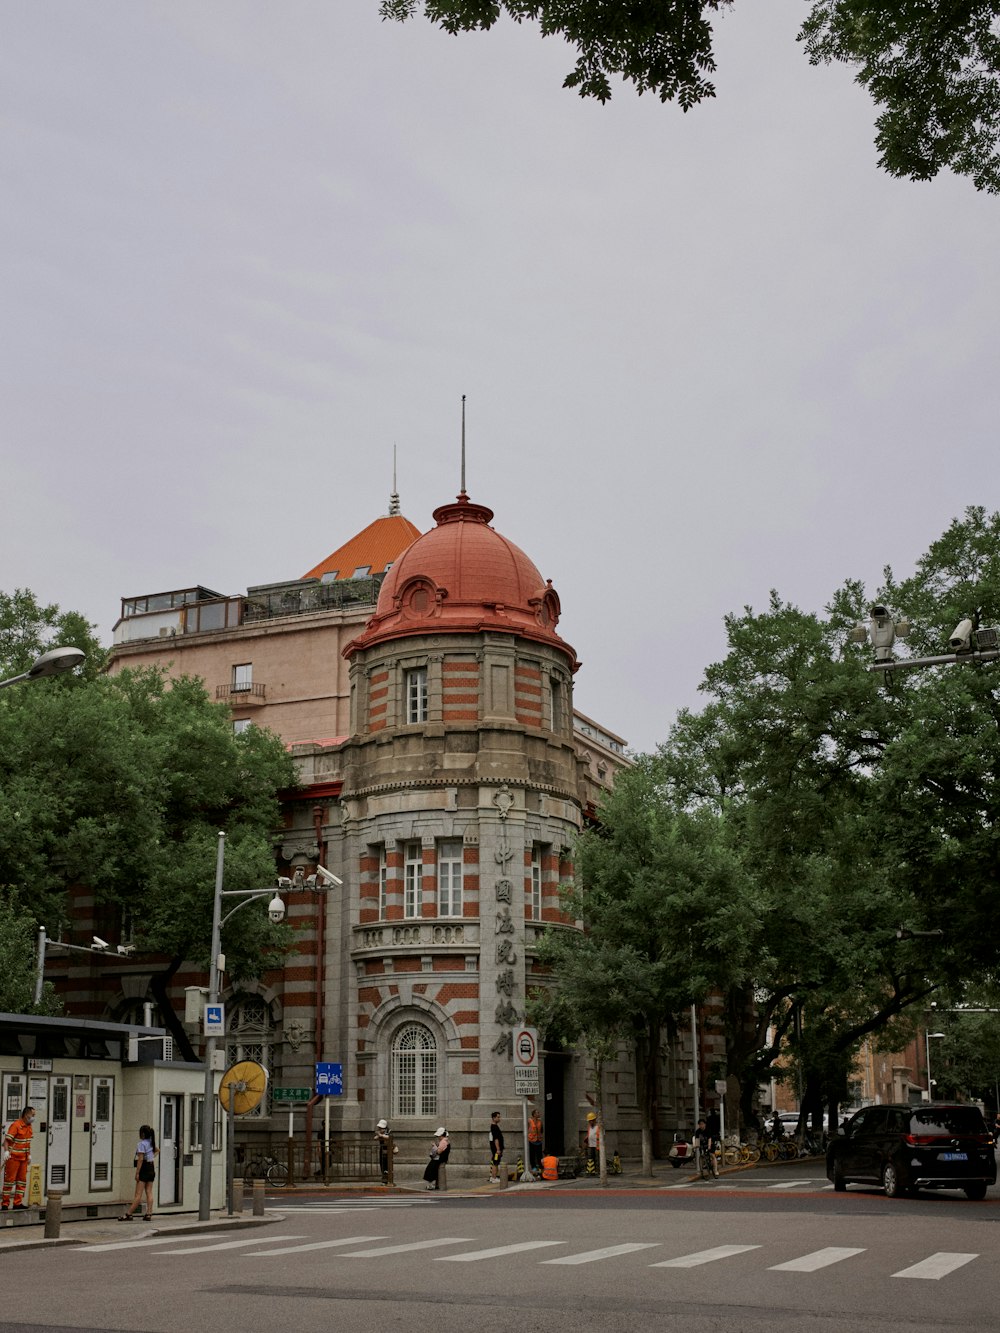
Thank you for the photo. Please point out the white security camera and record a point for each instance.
(126, 950)
(99, 944)
(960, 636)
(882, 632)
(276, 909)
(284, 882)
(328, 878)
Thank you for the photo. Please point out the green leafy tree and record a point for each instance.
(933, 69)
(786, 749)
(665, 920)
(28, 629)
(121, 784)
(18, 961)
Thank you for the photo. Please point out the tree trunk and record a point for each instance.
(647, 1051)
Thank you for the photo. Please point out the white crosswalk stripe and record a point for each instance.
(233, 1244)
(937, 1265)
(809, 1263)
(137, 1244)
(497, 1252)
(313, 1245)
(405, 1249)
(705, 1256)
(609, 1252)
(789, 1184)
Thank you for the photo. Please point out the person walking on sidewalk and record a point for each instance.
(17, 1146)
(496, 1146)
(440, 1153)
(593, 1137)
(145, 1173)
(535, 1142)
(383, 1137)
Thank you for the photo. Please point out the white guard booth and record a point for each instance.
(92, 1085)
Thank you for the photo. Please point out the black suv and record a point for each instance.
(904, 1147)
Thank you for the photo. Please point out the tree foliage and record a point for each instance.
(121, 784)
(775, 843)
(665, 923)
(932, 69)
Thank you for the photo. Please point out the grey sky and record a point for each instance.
(246, 247)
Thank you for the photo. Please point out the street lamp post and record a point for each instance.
(217, 963)
(927, 1047)
(56, 662)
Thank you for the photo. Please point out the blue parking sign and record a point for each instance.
(329, 1080)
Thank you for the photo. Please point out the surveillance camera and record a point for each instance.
(960, 636)
(276, 909)
(284, 882)
(879, 612)
(329, 879)
(126, 950)
(99, 944)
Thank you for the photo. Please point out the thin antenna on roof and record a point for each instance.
(394, 497)
(463, 443)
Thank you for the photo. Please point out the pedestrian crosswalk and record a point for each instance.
(932, 1267)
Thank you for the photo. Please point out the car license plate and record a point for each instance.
(953, 1156)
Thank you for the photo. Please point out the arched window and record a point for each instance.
(414, 1072)
(251, 1037)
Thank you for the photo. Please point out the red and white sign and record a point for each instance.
(526, 1082)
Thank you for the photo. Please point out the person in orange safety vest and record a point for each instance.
(535, 1142)
(17, 1141)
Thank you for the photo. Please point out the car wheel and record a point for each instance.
(891, 1182)
(839, 1183)
(976, 1191)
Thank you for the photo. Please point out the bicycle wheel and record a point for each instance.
(731, 1155)
(770, 1152)
(277, 1174)
(753, 1153)
(253, 1170)
(788, 1151)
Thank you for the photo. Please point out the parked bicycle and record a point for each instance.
(264, 1167)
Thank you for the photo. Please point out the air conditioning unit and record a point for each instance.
(167, 631)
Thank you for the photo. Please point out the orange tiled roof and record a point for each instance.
(376, 546)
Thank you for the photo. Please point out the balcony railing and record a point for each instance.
(241, 695)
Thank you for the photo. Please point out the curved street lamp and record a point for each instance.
(56, 662)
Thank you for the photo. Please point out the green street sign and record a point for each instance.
(291, 1094)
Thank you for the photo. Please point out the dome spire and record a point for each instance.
(394, 497)
(462, 492)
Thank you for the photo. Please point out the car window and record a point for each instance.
(947, 1120)
(858, 1124)
(875, 1124)
(898, 1122)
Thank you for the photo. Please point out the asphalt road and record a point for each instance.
(775, 1252)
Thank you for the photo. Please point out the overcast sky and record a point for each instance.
(245, 248)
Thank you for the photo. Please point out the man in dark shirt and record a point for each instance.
(496, 1146)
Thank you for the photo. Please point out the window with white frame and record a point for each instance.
(449, 877)
(251, 1037)
(536, 882)
(413, 871)
(242, 678)
(383, 882)
(414, 1072)
(194, 1125)
(240, 725)
(416, 694)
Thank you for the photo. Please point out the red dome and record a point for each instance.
(463, 576)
